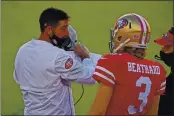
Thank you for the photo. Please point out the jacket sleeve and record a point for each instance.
(72, 70)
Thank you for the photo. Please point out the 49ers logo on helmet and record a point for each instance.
(121, 23)
(69, 63)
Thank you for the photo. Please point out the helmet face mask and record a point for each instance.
(73, 37)
(111, 42)
(130, 30)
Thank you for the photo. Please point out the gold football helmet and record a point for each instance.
(131, 30)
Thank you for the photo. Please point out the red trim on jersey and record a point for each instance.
(161, 90)
(99, 80)
(105, 74)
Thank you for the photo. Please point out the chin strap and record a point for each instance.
(120, 45)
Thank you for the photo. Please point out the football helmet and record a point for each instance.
(130, 30)
(73, 38)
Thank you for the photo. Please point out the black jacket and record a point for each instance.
(166, 101)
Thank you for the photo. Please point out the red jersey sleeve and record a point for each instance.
(103, 72)
(162, 84)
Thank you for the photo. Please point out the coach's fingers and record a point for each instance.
(81, 51)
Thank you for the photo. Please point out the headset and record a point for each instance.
(83, 91)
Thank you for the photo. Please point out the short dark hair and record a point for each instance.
(51, 16)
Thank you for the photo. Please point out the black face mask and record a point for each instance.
(168, 58)
(64, 43)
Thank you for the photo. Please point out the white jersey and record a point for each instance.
(44, 73)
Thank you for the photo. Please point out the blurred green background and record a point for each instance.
(91, 19)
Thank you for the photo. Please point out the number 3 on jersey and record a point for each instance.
(142, 96)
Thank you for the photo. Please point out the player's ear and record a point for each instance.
(49, 31)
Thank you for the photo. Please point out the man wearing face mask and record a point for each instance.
(44, 70)
(167, 55)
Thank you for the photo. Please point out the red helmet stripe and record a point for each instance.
(143, 29)
(147, 32)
